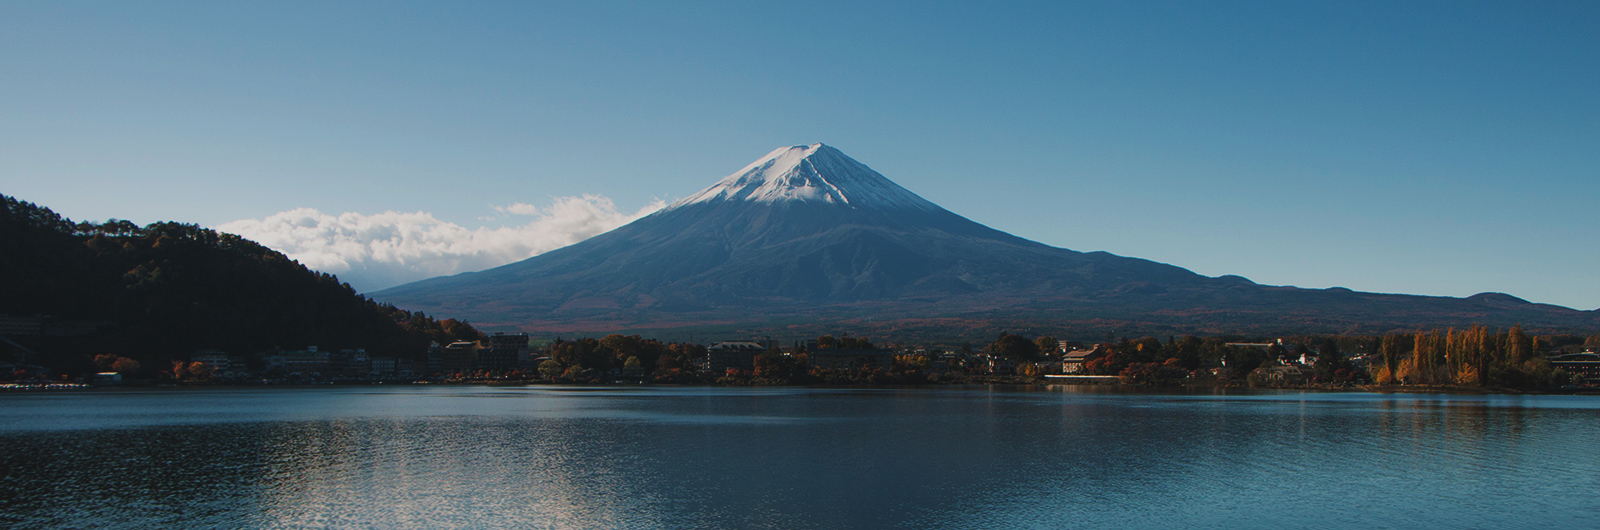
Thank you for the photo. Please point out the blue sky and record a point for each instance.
(1434, 148)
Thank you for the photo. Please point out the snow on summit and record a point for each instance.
(810, 173)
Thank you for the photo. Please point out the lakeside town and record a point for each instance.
(517, 358)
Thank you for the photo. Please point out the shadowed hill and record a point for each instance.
(164, 290)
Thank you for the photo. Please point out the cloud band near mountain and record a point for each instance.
(382, 250)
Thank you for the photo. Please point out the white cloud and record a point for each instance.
(383, 250)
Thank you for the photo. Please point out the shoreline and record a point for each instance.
(987, 381)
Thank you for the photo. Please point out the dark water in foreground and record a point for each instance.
(473, 457)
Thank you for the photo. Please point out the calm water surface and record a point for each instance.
(960, 457)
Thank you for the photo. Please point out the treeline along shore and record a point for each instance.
(172, 303)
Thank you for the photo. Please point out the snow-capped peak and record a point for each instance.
(810, 173)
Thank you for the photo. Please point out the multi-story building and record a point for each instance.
(384, 366)
(732, 354)
(459, 357)
(434, 362)
(1585, 365)
(506, 351)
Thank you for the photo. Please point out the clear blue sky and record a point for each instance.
(1435, 148)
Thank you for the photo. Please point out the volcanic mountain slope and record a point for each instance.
(807, 232)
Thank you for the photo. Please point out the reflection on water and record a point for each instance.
(787, 458)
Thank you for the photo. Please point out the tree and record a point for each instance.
(1329, 360)
(1147, 349)
(549, 368)
(125, 366)
(774, 365)
(1014, 347)
(171, 287)
(1186, 350)
(1275, 353)
(1048, 346)
(632, 364)
(846, 342)
(623, 346)
(1518, 346)
(199, 371)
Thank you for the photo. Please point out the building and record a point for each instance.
(953, 360)
(384, 366)
(506, 351)
(350, 363)
(217, 360)
(309, 361)
(999, 365)
(49, 326)
(850, 359)
(459, 357)
(739, 355)
(10, 325)
(1280, 375)
(1072, 362)
(1585, 365)
(434, 362)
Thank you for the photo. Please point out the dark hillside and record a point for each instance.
(162, 291)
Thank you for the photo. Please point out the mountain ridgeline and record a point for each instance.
(806, 233)
(162, 291)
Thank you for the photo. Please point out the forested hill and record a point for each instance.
(162, 291)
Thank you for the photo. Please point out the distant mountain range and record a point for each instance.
(807, 234)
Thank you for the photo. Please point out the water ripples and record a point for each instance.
(456, 457)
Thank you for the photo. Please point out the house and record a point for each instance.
(954, 360)
(997, 365)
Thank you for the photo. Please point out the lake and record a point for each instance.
(669, 457)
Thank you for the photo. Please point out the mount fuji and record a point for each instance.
(807, 233)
